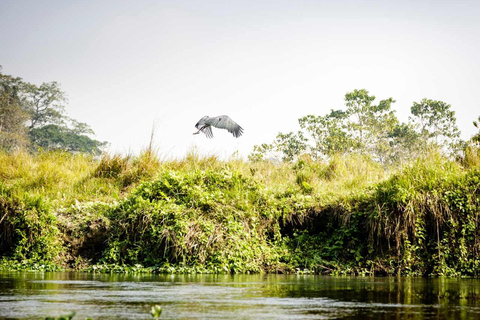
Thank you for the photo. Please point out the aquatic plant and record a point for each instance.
(156, 311)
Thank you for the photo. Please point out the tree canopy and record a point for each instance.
(13, 133)
(34, 117)
(369, 127)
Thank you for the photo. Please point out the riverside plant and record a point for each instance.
(345, 215)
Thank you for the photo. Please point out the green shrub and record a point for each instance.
(28, 229)
(215, 218)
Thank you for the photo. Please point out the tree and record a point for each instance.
(261, 152)
(291, 145)
(359, 105)
(35, 116)
(372, 128)
(49, 126)
(371, 125)
(45, 104)
(436, 124)
(329, 133)
(364, 127)
(13, 134)
(52, 136)
(288, 146)
(405, 143)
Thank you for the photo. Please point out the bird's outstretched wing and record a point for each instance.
(208, 131)
(224, 122)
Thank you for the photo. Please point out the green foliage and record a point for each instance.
(329, 134)
(290, 144)
(371, 128)
(369, 124)
(13, 134)
(52, 137)
(471, 158)
(45, 104)
(287, 147)
(260, 152)
(28, 231)
(414, 210)
(347, 215)
(423, 220)
(304, 175)
(405, 144)
(49, 127)
(84, 228)
(215, 218)
(436, 123)
(111, 166)
(34, 116)
(156, 311)
(128, 170)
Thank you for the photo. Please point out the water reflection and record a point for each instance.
(26, 295)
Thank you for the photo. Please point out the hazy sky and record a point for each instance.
(126, 65)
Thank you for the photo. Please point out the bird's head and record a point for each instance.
(201, 122)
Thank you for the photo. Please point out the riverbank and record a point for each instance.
(199, 214)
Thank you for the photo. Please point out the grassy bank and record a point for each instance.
(199, 214)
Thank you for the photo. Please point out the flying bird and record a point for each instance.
(222, 122)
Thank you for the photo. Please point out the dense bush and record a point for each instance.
(28, 230)
(423, 220)
(220, 220)
(347, 215)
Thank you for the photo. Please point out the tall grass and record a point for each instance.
(348, 214)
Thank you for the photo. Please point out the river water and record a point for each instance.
(36, 295)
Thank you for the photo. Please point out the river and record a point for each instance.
(36, 295)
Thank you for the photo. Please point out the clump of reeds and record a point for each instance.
(471, 158)
(127, 170)
(49, 173)
(111, 166)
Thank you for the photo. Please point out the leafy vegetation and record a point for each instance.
(347, 214)
(34, 117)
(371, 128)
(352, 192)
(156, 311)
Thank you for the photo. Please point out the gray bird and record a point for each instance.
(222, 122)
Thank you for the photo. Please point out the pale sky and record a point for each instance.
(126, 65)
